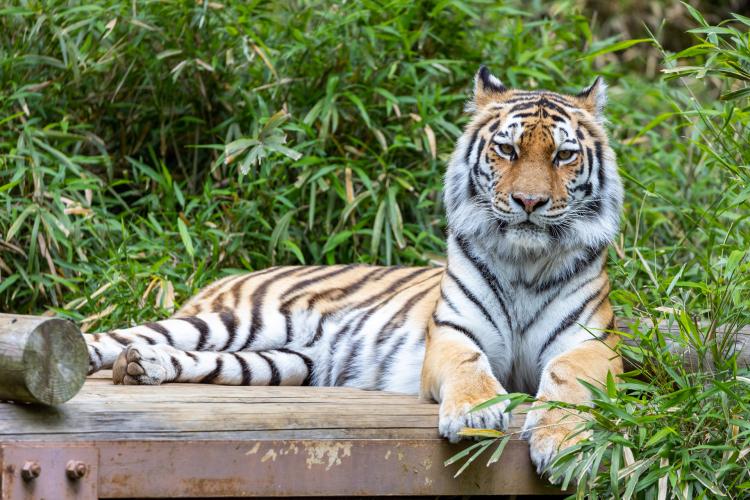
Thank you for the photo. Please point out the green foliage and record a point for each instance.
(147, 148)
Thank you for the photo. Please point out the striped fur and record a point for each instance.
(533, 198)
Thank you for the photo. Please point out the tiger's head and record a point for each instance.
(533, 171)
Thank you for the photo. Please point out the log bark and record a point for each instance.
(739, 344)
(42, 360)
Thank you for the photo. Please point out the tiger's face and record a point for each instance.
(534, 170)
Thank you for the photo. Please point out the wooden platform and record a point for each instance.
(184, 440)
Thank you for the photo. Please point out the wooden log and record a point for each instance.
(738, 343)
(42, 360)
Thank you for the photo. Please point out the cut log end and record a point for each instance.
(42, 360)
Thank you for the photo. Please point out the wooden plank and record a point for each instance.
(199, 440)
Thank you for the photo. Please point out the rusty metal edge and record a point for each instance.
(279, 468)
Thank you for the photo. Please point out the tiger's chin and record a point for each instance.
(527, 237)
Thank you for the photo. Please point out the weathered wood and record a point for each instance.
(42, 360)
(205, 440)
(738, 342)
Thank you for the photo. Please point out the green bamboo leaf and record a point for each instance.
(483, 446)
(19, 221)
(377, 229)
(396, 222)
(185, 236)
(498, 451)
(461, 454)
(616, 47)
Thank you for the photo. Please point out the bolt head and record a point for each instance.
(31, 470)
(76, 469)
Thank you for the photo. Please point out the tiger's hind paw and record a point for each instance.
(142, 365)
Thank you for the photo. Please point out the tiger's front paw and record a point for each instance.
(454, 416)
(143, 365)
(549, 432)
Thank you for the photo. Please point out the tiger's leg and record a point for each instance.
(550, 430)
(208, 331)
(457, 374)
(142, 364)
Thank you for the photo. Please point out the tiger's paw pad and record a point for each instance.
(141, 365)
(456, 418)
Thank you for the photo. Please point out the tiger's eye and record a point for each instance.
(507, 149)
(564, 155)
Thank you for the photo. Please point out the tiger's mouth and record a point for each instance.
(528, 225)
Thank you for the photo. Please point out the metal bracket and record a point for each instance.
(50, 472)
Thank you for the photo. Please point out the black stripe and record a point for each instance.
(120, 339)
(371, 304)
(148, 339)
(97, 352)
(308, 363)
(590, 163)
(472, 193)
(473, 298)
(372, 274)
(547, 103)
(346, 373)
(247, 374)
(470, 146)
(256, 303)
(214, 374)
(191, 356)
(600, 161)
(369, 278)
(480, 147)
(386, 362)
(275, 375)
(230, 323)
(523, 105)
(403, 312)
(177, 367)
(486, 274)
(332, 349)
(567, 322)
(590, 256)
(374, 301)
(447, 300)
(460, 329)
(202, 328)
(605, 296)
(538, 314)
(162, 330)
(286, 306)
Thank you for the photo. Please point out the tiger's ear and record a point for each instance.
(593, 98)
(486, 88)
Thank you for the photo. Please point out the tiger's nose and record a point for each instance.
(529, 202)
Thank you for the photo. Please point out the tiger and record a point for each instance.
(533, 199)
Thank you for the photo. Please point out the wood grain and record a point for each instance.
(42, 360)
